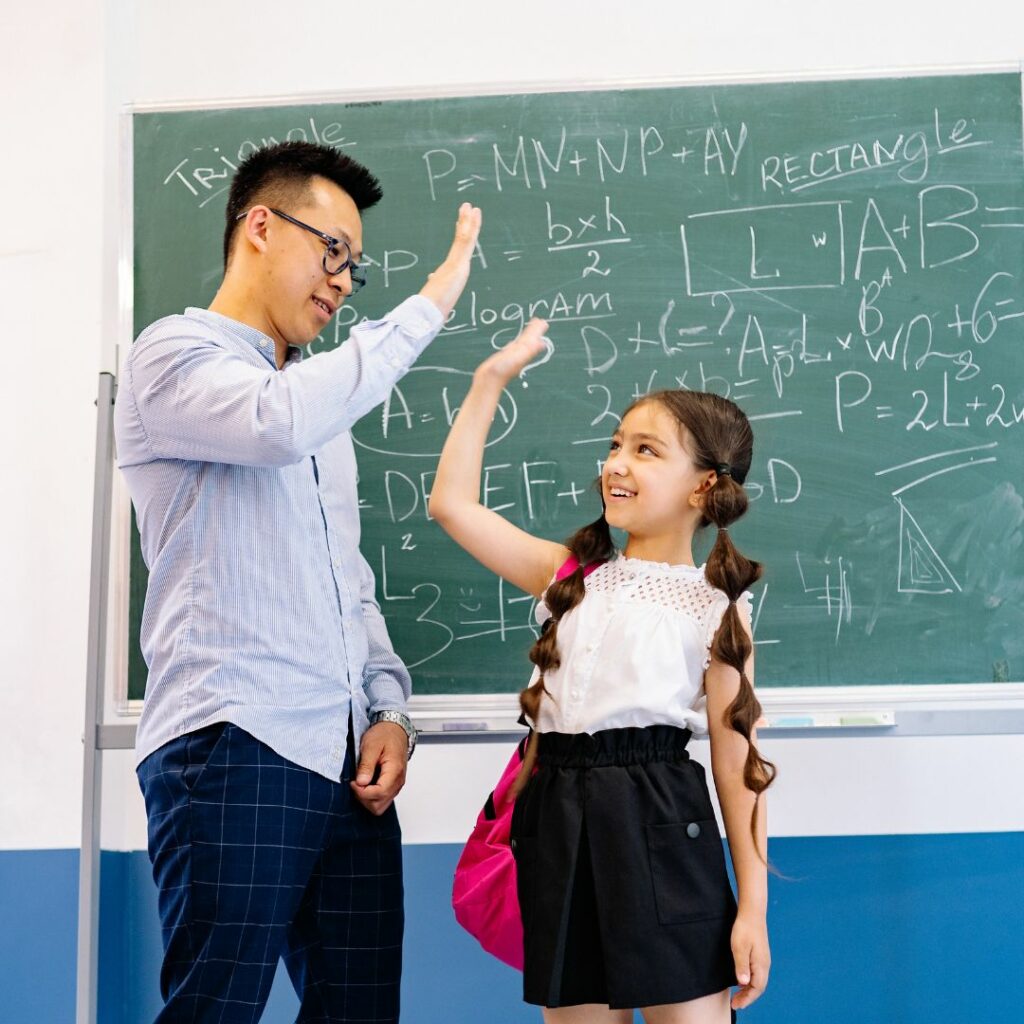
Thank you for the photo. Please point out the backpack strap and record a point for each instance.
(571, 564)
(567, 568)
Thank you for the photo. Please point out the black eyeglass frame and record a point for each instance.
(356, 272)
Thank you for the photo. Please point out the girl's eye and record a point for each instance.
(614, 445)
(648, 448)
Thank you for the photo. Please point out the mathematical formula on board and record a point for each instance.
(860, 296)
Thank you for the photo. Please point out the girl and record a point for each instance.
(622, 881)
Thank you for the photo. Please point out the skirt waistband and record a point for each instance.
(618, 747)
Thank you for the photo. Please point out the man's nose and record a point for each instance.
(342, 282)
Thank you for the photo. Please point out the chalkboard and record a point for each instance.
(842, 258)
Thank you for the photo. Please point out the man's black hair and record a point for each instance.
(280, 175)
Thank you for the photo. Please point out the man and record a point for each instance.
(269, 662)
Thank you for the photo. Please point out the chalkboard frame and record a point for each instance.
(848, 709)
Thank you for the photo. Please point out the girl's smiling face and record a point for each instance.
(650, 485)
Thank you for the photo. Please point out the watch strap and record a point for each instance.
(398, 718)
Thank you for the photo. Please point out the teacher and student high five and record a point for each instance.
(274, 735)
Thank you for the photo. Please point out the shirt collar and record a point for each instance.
(261, 342)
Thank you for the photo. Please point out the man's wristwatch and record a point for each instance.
(399, 719)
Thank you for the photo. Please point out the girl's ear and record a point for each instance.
(701, 490)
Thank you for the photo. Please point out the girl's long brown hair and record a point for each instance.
(719, 438)
(591, 543)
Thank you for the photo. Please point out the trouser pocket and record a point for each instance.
(200, 747)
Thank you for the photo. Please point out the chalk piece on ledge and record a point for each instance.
(792, 722)
(463, 727)
(875, 719)
(832, 720)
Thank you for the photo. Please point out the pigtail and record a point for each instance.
(732, 572)
(591, 543)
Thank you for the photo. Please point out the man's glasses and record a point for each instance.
(337, 255)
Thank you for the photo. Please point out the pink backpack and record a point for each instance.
(484, 892)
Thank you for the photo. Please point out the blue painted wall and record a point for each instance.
(908, 929)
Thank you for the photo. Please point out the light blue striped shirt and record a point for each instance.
(260, 609)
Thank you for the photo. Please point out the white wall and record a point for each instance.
(68, 67)
(231, 51)
(826, 787)
(51, 301)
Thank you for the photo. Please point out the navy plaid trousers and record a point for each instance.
(257, 858)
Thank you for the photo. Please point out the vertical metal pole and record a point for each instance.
(92, 775)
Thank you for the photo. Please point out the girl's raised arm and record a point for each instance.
(526, 561)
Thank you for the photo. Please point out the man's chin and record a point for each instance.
(298, 340)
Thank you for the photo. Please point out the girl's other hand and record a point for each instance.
(511, 360)
(753, 958)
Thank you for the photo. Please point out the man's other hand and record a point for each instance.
(380, 774)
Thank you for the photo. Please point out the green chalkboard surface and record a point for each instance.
(842, 258)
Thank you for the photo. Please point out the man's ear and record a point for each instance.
(256, 227)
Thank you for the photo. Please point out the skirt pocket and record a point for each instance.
(688, 871)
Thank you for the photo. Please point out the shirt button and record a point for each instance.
(693, 830)
(575, 694)
(337, 564)
(396, 363)
(263, 343)
(336, 753)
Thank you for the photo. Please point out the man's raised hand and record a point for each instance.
(444, 285)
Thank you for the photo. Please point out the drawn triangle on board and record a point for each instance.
(921, 570)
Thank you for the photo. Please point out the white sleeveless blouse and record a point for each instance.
(634, 650)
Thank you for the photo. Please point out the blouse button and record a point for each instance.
(693, 830)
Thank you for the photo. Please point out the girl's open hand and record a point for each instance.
(511, 360)
(753, 959)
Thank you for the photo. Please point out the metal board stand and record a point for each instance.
(92, 774)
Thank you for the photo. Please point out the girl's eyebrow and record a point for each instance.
(642, 437)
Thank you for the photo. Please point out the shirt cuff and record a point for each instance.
(388, 702)
(385, 693)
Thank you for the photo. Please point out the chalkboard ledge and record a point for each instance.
(921, 709)
(941, 709)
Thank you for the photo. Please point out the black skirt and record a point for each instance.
(623, 887)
